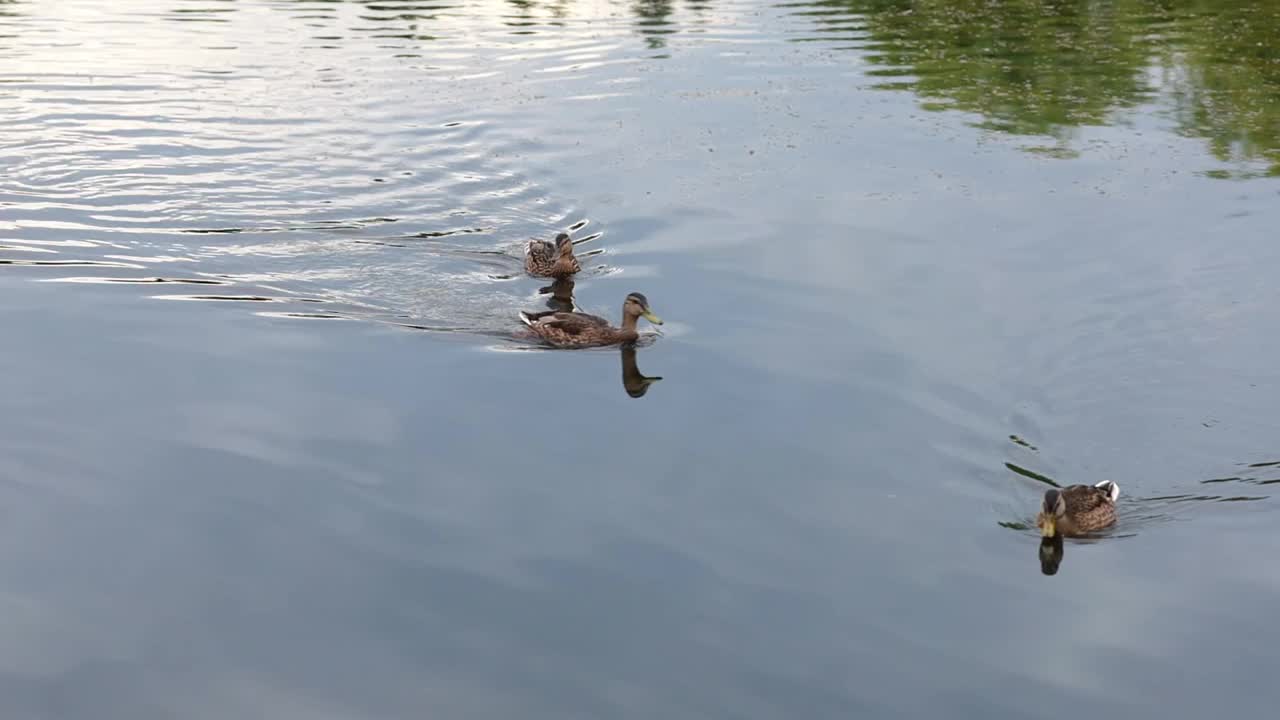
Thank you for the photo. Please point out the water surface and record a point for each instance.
(271, 447)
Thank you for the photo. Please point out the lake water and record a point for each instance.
(271, 448)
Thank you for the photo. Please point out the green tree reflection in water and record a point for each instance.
(1044, 67)
(1225, 82)
(652, 21)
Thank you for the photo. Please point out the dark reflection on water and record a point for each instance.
(634, 382)
(561, 295)
(652, 21)
(1051, 553)
(1044, 67)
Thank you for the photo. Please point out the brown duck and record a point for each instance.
(1078, 509)
(575, 329)
(544, 259)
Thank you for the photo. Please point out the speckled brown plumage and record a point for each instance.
(1079, 509)
(577, 330)
(546, 259)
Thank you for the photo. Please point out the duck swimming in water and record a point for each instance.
(1078, 509)
(556, 260)
(575, 329)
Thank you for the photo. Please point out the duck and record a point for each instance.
(545, 259)
(1078, 509)
(577, 329)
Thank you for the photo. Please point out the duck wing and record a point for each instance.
(540, 249)
(572, 323)
(1085, 499)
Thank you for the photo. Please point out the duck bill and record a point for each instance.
(1048, 527)
(648, 315)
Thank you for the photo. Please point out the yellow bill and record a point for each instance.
(1048, 526)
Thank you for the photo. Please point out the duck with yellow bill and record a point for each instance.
(1078, 509)
(578, 330)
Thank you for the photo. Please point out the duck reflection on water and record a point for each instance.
(633, 381)
(561, 292)
(1051, 551)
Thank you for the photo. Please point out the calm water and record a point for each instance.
(269, 448)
